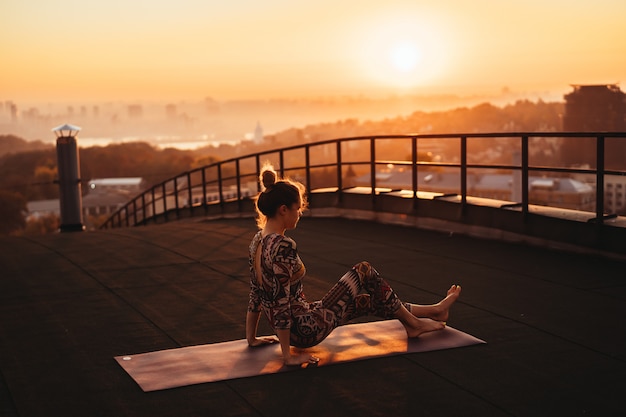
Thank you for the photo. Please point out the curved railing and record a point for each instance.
(364, 165)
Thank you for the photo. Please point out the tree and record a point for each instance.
(12, 212)
(44, 178)
(11, 144)
(42, 225)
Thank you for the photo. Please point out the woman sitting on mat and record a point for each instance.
(276, 273)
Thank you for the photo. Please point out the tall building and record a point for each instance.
(171, 111)
(135, 111)
(597, 108)
(258, 133)
(594, 108)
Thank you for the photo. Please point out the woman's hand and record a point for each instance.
(252, 323)
(290, 359)
(299, 360)
(261, 341)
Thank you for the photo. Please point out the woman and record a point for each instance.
(276, 273)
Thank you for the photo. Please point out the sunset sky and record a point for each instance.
(247, 49)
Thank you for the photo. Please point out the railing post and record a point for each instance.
(164, 201)
(220, 188)
(307, 167)
(189, 194)
(281, 159)
(339, 172)
(525, 173)
(373, 170)
(463, 175)
(153, 204)
(238, 179)
(258, 172)
(176, 197)
(134, 211)
(204, 202)
(414, 169)
(600, 179)
(143, 208)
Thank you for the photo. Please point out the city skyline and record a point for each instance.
(200, 122)
(162, 50)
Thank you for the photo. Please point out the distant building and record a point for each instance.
(598, 108)
(171, 112)
(104, 197)
(615, 194)
(42, 208)
(258, 133)
(127, 185)
(543, 191)
(135, 111)
(13, 112)
(565, 193)
(95, 204)
(594, 108)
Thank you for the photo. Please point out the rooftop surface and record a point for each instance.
(554, 323)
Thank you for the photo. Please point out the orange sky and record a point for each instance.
(65, 50)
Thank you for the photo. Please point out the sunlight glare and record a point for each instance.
(405, 56)
(404, 52)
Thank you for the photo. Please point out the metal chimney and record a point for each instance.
(70, 197)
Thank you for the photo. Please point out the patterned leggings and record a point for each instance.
(360, 292)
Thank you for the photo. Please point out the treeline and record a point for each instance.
(522, 116)
(32, 173)
(13, 144)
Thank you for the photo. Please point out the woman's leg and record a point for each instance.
(360, 292)
(342, 303)
(386, 304)
(344, 300)
(415, 326)
(383, 300)
(437, 311)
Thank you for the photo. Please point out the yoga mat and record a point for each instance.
(190, 365)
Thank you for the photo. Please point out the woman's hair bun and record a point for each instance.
(268, 178)
(276, 192)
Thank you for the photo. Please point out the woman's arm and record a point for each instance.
(284, 258)
(293, 360)
(252, 324)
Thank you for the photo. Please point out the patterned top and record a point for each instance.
(280, 288)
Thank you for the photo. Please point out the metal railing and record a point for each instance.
(340, 165)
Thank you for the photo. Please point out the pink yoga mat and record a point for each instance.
(227, 360)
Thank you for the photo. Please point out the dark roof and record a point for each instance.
(70, 302)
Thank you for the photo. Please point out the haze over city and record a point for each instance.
(68, 53)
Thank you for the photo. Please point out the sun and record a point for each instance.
(403, 52)
(399, 62)
(404, 56)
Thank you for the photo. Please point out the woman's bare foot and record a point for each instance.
(442, 308)
(439, 311)
(417, 327)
